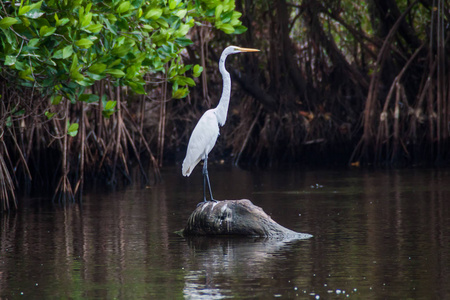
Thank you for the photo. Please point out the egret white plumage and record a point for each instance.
(205, 133)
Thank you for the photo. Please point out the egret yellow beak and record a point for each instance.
(247, 49)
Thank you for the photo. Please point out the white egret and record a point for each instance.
(206, 131)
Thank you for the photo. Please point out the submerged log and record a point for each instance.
(235, 217)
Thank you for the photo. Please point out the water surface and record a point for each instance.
(377, 235)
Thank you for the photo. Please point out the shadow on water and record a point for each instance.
(377, 235)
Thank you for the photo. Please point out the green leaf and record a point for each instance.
(86, 20)
(36, 5)
(49, 115)
(95, 28)
(185, 69)
(8, 122)
(67, 51)
(110, 105)
(190, 81)
(95, 77)
(235, 22)
(154, 14)
(25, 22)
(98, 68)
(182, 31)
(84, 81)
(109, 109)
(137, 87)
(227, 28)
(24, 9)
(73, 129)
(88, 7)
(89, 98)
(218, 11)
(183, 42)
(77, 76)
(182, 80)
(33, 14)
(226, 17)
(197, 71)
(123, 7)
(172, 4)
(62, 22)
(74, 65)
(131, 72)
(180, 93)
(122, 50)
(33, 43)
(10, 60)
(7, 22)
(56, 99)
(84, 43)
(147, 27)
(20, 66)
(46, 31)
(63, 53)
(25, 74)
(239, 29)
(74, 69)
(116, 73)
(236, 15)
(181, 13)
(162, 23)
(114, 63)
(112, 18)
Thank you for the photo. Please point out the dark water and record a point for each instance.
(377, 235)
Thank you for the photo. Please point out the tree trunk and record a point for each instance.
(236, 217)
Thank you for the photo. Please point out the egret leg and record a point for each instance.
(206, 177)
(204, 185)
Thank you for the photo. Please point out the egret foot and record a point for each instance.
(206, 201)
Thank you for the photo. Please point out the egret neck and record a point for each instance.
(222, 108)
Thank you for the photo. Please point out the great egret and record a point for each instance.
(206, 131)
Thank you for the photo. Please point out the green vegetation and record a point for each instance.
(63, 47)
(66, 64)
(88, 86)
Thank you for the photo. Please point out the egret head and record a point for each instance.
(236, 49)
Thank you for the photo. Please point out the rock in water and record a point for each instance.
(236, 217)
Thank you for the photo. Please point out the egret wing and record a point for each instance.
(203, 139)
